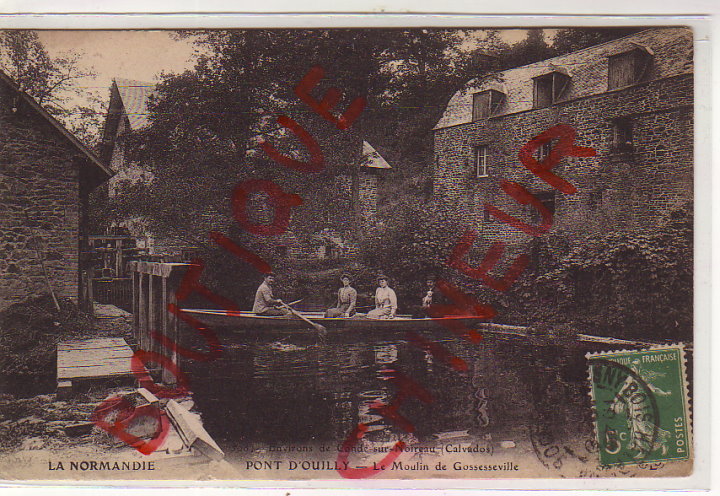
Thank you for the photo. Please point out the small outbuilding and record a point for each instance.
(46, 176)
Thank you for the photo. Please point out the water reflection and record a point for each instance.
(285, 392)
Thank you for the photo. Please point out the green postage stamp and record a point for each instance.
(640, 400)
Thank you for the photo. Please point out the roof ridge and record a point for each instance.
(56, 124)
(592, 47)
(132, 82)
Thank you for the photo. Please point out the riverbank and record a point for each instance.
(44, 437)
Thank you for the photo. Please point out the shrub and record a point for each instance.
(626, 285)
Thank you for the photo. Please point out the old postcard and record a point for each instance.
(410, 252)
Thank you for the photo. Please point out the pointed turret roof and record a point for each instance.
(371, 158)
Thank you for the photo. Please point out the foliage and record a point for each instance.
(29, 332)
(52, 82)
(532, 49)
(207, 121)
(572, 39)
(410, 246)
(618, 284)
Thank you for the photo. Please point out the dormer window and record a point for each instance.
(549, 88)
(628, 68)
(486, 103)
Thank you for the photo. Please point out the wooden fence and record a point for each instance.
(154, 285)
(114, 291)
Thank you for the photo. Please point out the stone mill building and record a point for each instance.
(631, 99)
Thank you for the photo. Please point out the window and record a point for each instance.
(486, 103)
(544, 150)
(481, 160)
(622, 136)
(627, 68)
(543, 92)
(486, 215)
(548, 200)
(549, 88)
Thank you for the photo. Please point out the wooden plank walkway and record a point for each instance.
(100, 358)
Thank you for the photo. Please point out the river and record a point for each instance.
(293, 395)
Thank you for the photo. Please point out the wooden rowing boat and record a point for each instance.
(249, 321)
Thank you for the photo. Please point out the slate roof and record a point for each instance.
(672, 50)
(135, 96)
(372, 158)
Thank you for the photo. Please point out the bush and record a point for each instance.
(624, 285)
(29, 333)
(413, 244)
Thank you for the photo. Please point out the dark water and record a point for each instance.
(292, 391)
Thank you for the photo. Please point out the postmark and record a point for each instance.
(641, 405)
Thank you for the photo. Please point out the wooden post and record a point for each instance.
(164, 307)
(158, 308)
(150, 307)
(170, 328)
(149, 342)
(142, 311)
(135, 295)
(118, 258)
(91, 296)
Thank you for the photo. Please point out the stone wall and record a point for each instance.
(39, 176)
(617, 190)
(367, 199)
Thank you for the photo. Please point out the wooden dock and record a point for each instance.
(91, 359)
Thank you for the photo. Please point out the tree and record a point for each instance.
(572, 39)
(52, 82)
(532, 49)
(207, 120)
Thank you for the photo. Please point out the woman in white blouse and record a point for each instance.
(385, 301)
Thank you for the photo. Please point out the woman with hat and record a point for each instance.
(385, 301)
(347, 298)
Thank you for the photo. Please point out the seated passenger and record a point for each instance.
(385, 301)
(429, 297)
(265, 303)
(346, 300)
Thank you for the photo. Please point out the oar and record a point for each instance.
(295, 302)
(317, 327)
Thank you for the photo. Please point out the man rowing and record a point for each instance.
(265, 303)
(346, 300)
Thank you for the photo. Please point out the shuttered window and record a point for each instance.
(481, 105)
(622, 135)
(544, 150)
(621, 70)
(547, 198)
(627, 68)
(543, 91)
(549, 88)
(486, 103)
